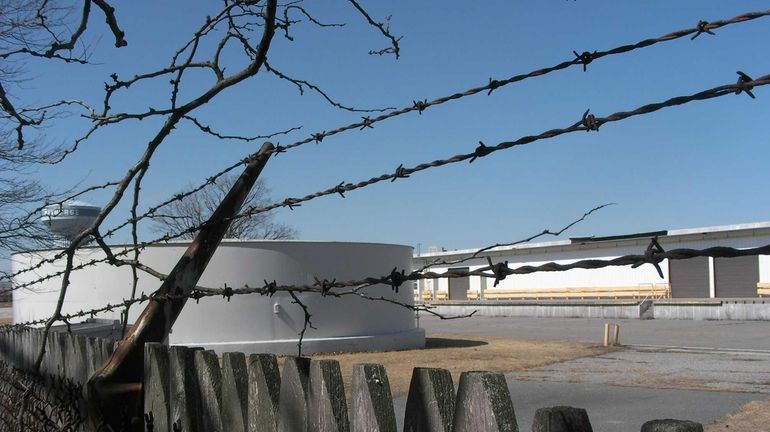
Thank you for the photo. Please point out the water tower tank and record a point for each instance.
(68, 219)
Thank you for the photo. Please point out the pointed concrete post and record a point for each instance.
(430, 406)
(671, 425)
(210, 385)
(327, 407)
(183, 388)
(292, 406)
(235, 392)
(58, 360)
(484, 404)
(372, 409)
(155, 385)
(264, 391)
(561, 419)
(76, 358)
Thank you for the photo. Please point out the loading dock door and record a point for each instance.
(736, 277)
(689, 278)
(458, 287)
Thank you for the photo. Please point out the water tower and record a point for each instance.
(69, 218)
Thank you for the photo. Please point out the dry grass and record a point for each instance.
(753, 416)
(464, 353)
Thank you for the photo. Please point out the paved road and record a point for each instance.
(750, 335)
(614, 408)
(697, 370)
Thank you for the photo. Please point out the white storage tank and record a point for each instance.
(247, 323)
(70, 218)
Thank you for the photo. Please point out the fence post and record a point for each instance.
(430, 405)
(155, 385)
(292, 405)
(76, 358)
(210, 386)
(264, 391)
(14, 349)
(36, 338)
(57, 359)
(561, 419)
(235, 392)
(372, 408)
(93, 355)
(26, 348)
(183, 387)
(484, 404)
(327, 407)
(671, 425)
(4, 336)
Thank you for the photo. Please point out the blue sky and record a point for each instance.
(698, 165)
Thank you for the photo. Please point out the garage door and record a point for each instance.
(458, 287)
(736, 277)
(689, 278)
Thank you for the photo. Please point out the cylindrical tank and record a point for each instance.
(68, 219)
(247, 323)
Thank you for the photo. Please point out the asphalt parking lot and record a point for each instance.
(744, 335)
(696, 370)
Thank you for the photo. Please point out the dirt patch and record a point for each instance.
(754, 416)
(465, 353)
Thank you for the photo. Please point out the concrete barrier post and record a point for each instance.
(430, 405)
(4, 336)
(484, 404)
(14, 349)
(23, 348)
(671, 425)
(93, 355)
(210, 385)
(76, 358)
(155, 385)
(235, 392)
(34, 337)
(606, 340)
(327, 407)
(183, 387)
(561, 419)
(292, 405)
(264, 391)
(58, 360)
(372, 408)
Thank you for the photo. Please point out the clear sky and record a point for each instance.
(699, 165)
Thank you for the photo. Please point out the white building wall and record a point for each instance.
(565, 252)
(764, 268)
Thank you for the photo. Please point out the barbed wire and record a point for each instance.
(588, 123)
(653, 255)
(420, 105)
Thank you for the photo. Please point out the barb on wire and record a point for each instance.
(703, 27)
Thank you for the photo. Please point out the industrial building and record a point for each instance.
(697, 278)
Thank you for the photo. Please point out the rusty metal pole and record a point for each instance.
(114, 392)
